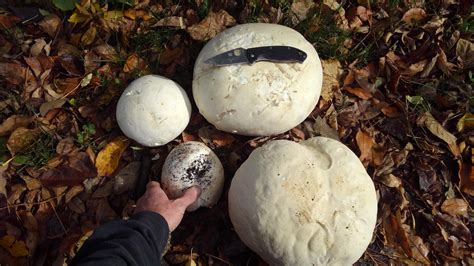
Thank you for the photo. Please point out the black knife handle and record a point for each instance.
(275, 54)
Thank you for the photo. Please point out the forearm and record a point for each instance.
(141, 240)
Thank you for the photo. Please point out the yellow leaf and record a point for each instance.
(16, 248)
(114, 14)
(108, 158)
(77, 17)
(89, 36)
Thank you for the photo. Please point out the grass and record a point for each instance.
(39, 153)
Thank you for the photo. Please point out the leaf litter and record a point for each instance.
(397, 90)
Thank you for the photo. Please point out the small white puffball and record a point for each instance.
(153, 110)
(265, 98)
(189, 164)
(306, 203)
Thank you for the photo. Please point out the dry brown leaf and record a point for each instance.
(126, 178)
(21, 139)
(332, 72)
(173, 21)
(107, 52)
(455, 206)
(135, 63)
(414, 14)
(438, 130)
(415, 68)
(210, 26)
(359, 92)
(14, 72)
(50, 24)
(301, 8)
(390, 111)
(108, 158)
(465, 53)
(74, 169)
(14, 122)
(443, 63)
(365, 144)
(188, 137)
(73, 192)
(31, 183)
(17, 248)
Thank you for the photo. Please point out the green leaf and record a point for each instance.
(414, 99)
(65, 5)
(21, 159)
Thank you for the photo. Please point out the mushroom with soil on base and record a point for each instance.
(307, 203)
(189, 164)
(265, 98)
(153, 110)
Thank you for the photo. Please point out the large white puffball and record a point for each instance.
(189, 164)
(307, 203)
(262, 99)
(153, 110)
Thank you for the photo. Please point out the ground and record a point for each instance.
(398, 79)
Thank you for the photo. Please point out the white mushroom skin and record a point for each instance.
(189, 164)
(153, 110)
(307, 203)
(261, 99)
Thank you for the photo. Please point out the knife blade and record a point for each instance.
(277, 54)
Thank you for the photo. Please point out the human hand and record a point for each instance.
(156, 200)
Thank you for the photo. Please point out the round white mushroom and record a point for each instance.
(189, 164)
(153, 110)
(307, 203)
(262, 99)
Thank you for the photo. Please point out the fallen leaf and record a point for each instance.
(89, 36)
(113, 14)
(31, 183)
(104, 190)
(47, 106)
(108, 158)
(301, 8)
(188, 137)
(443, 63)
(17, 248)
(359, 92)
(126, 178)
(210, 26)
(465, 123)
(21, 139)
(14, 72)
(38, 47)
(414, 14)
(75, 168)
(465, 53)
(14, 122)
(332, 72)
(438, 130)
(365, 144)
(107, 52)
(390, 111)
(135, 63)
(455, 206)
(173, 21)
(50, 24)
(73, 192)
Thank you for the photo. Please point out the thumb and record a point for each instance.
(189, 197)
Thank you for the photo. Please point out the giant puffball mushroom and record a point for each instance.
(153, 110)
(261, 99)
(189, 164)
(307, 203)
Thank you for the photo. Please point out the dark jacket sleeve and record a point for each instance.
(141, 240)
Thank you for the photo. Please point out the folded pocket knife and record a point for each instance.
(277, 54)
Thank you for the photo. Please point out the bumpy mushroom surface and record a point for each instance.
(189, 164)
(307, 203)
(262, 99)
(153, 110)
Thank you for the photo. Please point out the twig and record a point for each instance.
(59, 219)
(217, 258)
(34, 203)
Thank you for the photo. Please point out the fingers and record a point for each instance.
(189, 197)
